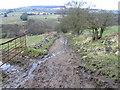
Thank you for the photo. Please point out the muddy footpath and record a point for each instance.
(61, 68)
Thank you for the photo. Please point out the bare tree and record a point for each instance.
(79, 18)
(98, 22)
(75, 17)
(106, 20)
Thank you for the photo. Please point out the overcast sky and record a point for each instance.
(100, 4)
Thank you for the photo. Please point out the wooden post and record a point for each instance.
(8, 51)
(25, 41)
(15, 47)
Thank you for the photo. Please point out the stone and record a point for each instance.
(46, 40)
(89, 50)
(104, 42)
(117, 53)
(38, 45)
(109, 42)
(108, 49)
(85, 50)
(84, 57)
(114, 51)
(114, 40)
(95, 53)
(98, 49)
(14, 70)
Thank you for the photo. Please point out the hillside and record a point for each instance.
(50, 9)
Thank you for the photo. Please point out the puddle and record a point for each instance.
(5, 66)
(1, 63)
(34, 65)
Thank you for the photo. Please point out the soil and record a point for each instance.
(58, 71)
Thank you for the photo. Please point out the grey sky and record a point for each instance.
(100, 4)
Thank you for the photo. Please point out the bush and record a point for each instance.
(24, 17)
(5, 15)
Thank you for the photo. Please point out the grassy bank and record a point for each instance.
(93, 53)
(32, 52)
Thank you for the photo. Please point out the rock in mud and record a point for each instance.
(117, 53)
(98, 49)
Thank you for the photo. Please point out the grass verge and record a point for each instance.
(102, 63)
(32, 52)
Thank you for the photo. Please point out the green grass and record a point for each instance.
(32, 40)
(12, 19)
(110, 30)
(42, 17)
(32, 52)
(4, 40)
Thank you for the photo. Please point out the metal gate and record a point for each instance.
(10, 49)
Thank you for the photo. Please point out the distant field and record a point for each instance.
(42, 17)
(14, 18)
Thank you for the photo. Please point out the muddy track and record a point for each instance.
(61, 68)
(59, 71)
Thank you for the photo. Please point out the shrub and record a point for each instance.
(24, 17)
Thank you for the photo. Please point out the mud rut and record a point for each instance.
(56, 70)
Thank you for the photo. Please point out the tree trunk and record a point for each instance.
(93, 34)
(101, 33)
(96, 34)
